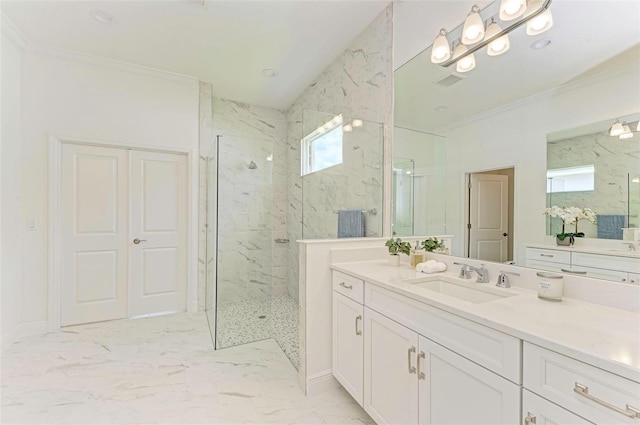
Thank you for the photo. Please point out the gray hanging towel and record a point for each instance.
(350, 224)
(610, 226)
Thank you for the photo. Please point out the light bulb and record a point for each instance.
(499, 45)
(347, 128)
(357, 123)
(626, 132)
(616, 129)
(467, 63)
(440, 51)
(638, 127)
(512, 9)
(473, 29)
(541, 23)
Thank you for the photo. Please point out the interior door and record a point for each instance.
(489, 217)
(93, 226)
(158, 235)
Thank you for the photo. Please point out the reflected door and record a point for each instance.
(489, 217)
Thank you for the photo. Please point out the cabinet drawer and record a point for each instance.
(536, 410)
(605, 398)
(550, 255)
(609, 262)
(492, 349)
(614, 275)
(349, 286)
(546, 265)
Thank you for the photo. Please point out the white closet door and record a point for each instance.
(94, 234)
(158, 236)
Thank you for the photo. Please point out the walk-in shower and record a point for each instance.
(246, 296)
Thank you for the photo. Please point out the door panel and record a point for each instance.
(93, 202)
(158, 219)
(489, 217)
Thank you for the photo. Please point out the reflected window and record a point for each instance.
(323, 147)
(571, 179)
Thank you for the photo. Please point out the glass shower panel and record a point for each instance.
(208, 178)
(342, 160)
(244, 240)
(427, 203)
(402, 197)
(633, 218)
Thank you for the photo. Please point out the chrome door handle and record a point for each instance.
(412, 369)
(421, 374)
(358, 331)
(546, 255)
(630, 412)
(344, 285)
(137, 241)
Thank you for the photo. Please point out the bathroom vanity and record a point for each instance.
(416, 348)
(617, 265)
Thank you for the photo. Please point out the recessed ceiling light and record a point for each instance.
(441, 108)
(541, 44)
(102, 16)
(269, 73)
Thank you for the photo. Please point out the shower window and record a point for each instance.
(322, 148)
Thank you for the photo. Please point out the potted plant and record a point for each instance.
(433, 244)
(570, 215)
(397, 247)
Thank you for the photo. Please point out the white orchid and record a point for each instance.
(572, 215)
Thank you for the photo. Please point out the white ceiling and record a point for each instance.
(226, 43)
(588, 36)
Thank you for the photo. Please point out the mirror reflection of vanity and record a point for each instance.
(511, 112)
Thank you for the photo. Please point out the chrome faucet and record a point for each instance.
(630, 246)
(503, 279)
(465, 272)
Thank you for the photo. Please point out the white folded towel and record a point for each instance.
(431, 266)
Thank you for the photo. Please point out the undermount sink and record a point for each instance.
(471, 292)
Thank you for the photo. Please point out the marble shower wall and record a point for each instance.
(356, 183)
(613, 159)
(253, 214)
(357, 84)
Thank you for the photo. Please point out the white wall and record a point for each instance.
(516, 135)
(11, 221)
(80, 97)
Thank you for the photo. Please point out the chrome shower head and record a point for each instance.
(252, 165)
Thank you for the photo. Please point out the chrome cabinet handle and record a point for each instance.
(530, 419)
(421, 374)
(358, 331)
(572, 271)
(630, 412)
(412, 369)
(137, 241)
(546, 255)
(344, 285)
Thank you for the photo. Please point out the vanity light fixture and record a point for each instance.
(347, 128)
(616, 129)
(542, 22)
(356, 123)
(440, 51)
(473, 29)
(468, 62)
(474, 34)
(499, 45)
(638, 127)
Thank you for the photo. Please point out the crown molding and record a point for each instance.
(12, 32)
(631, 67)
(30, 46)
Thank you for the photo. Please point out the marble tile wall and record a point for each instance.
(613, 160)
(358, 84)
(205, 138)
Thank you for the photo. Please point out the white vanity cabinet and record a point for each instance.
(422, 364)
(599, 266)
(580, 389)
(536, 410)
(348, 330)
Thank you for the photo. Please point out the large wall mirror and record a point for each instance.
(497, 123)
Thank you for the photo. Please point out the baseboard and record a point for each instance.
(24, 330)
(321, 382)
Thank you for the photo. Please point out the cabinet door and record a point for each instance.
(634, 278)
(536, 410)
(454, 390)
(390, 355)
(348, 345)
(614, 275)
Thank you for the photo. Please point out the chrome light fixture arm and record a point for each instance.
(507, 30)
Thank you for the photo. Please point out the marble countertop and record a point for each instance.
(604, 337)
(590, 250)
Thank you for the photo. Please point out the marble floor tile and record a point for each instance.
(158, 370)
